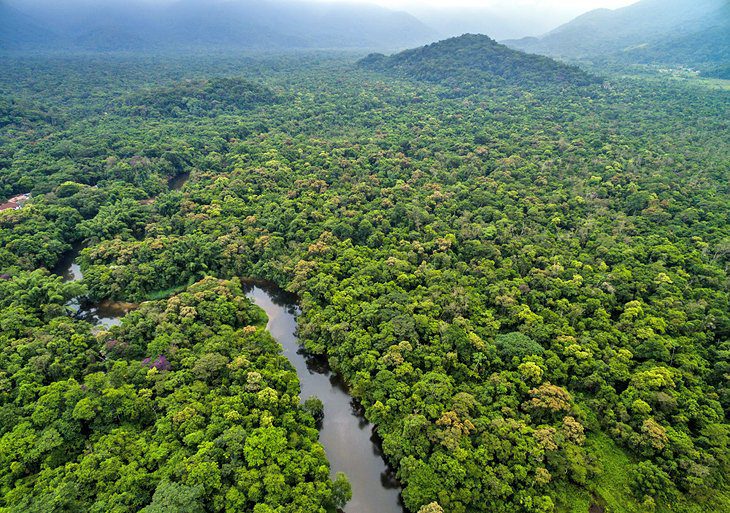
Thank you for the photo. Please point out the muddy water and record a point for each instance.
(346, 436)
(103, 313)
(348, 439)
(176, 182)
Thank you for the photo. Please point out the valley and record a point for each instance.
(452, 278)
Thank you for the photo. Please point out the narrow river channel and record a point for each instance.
(348, 439)
(346, 436)
(104, 313)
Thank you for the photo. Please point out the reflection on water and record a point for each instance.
(351, 444)
(176, 182)
(67, 268)
(104, 313)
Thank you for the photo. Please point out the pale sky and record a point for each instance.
(574, 5)
(501, 19)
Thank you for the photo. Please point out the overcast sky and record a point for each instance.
(574, 5)
(501, 19)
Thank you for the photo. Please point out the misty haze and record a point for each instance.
(364, 256)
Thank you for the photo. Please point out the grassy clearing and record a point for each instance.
(612, 485)
(571, 499)
(611, 490)
(717, 83)
(164, 294)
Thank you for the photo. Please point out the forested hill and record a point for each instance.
(686, 32)
(525, 290)
(476, 59)
(133, 25)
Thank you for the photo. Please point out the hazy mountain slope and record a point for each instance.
(720, 72)
(672, 31)
(18, 29)
(706, 41)
(476, 60)
(186, 24)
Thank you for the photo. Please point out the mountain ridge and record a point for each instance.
(186, 24)
(650, 31)
(17, 28)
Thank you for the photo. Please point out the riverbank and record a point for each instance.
(350, 443)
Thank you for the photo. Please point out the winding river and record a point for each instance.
(349, 441)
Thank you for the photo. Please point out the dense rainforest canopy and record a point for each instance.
(524, 284)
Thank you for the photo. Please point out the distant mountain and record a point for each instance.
(19, 30)
(112, 25)
(476, 60)
(682, 32)
(501, 19)
(706, 42)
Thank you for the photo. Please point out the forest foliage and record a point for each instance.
(525, 290)
(188, 406)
